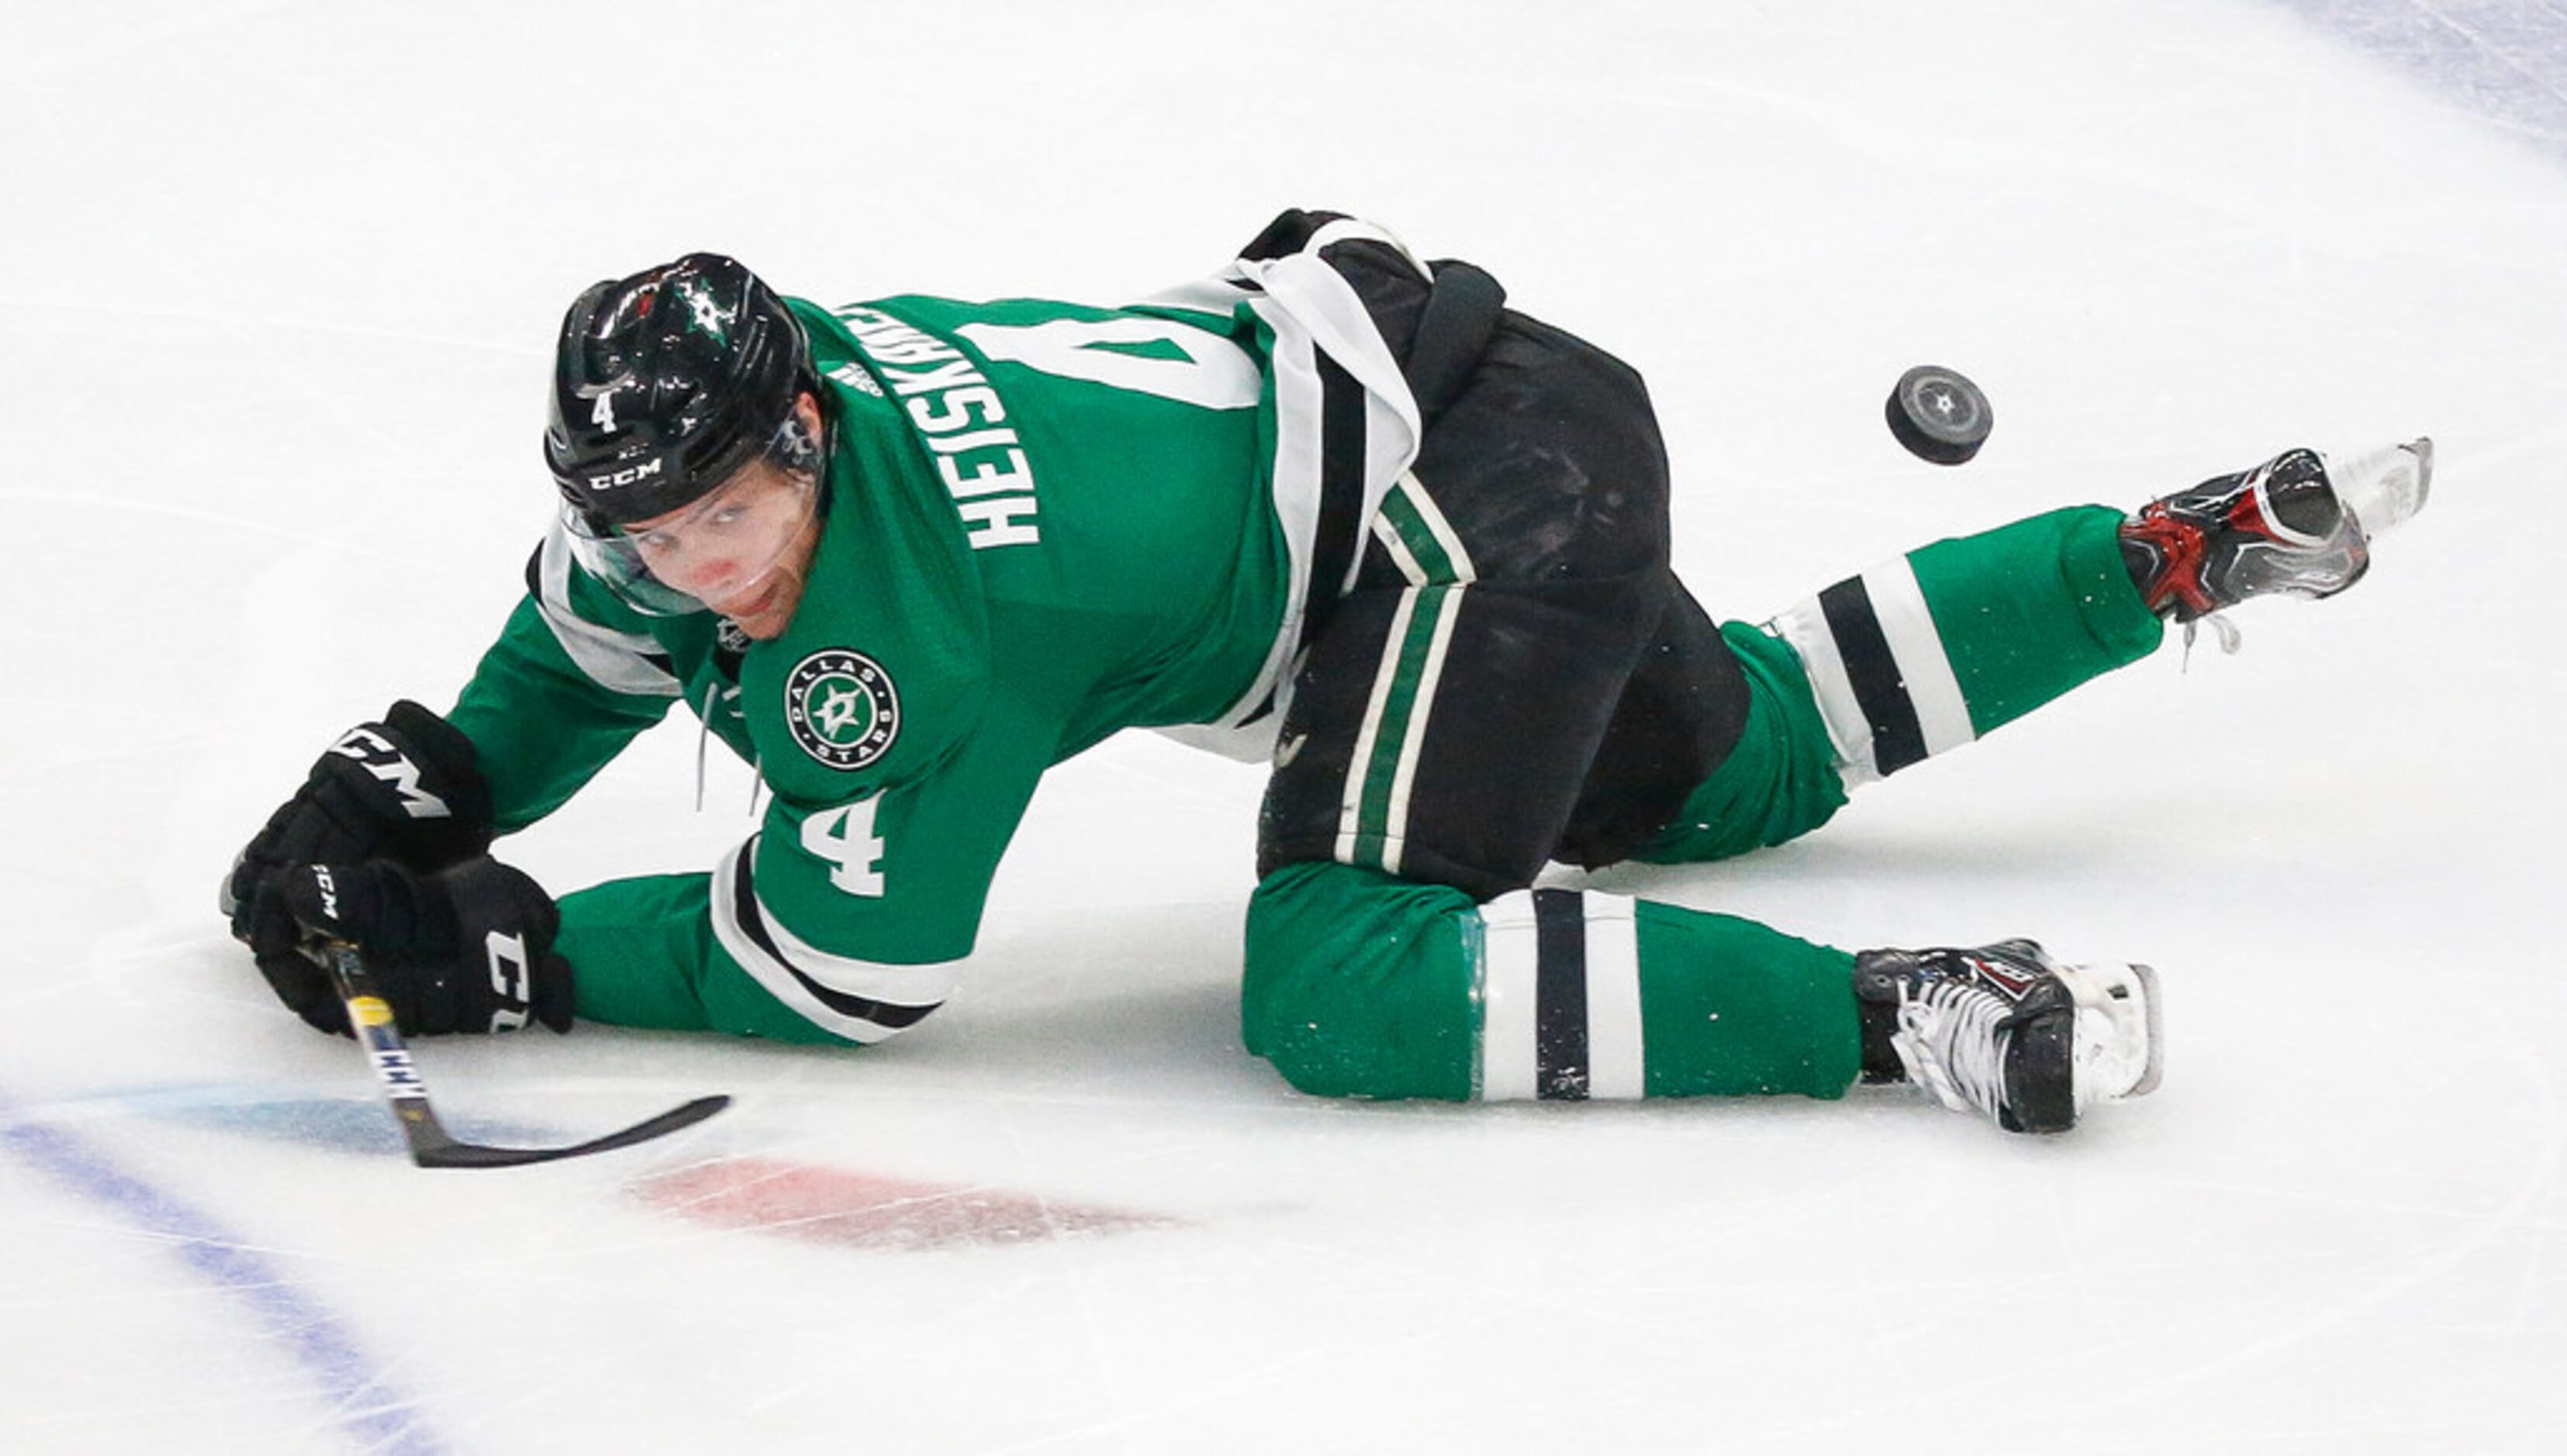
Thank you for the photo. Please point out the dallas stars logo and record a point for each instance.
(842, 709)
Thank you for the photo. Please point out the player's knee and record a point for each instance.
(1781, 780)
(1357, 985)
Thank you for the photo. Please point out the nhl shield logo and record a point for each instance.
(842, 707)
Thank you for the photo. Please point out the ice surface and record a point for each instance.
(280, 282)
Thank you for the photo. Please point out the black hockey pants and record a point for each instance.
(1516, 675)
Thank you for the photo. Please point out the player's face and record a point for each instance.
(744, 548)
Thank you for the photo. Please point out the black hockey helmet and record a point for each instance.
(667, 381)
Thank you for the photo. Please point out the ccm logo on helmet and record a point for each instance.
(627, 476)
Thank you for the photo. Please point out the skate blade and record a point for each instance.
(2385, 487)
(2155, 1012)
(2124, 998)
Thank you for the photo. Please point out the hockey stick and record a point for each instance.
(430, 1145)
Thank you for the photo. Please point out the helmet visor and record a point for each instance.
(719, 553)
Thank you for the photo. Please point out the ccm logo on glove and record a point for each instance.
(509, 978)
(384, 760)
(467, 949)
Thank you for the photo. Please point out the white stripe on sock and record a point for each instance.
(1804, 627)
(1898, 604)
(1616, 1061)
(1510, 956)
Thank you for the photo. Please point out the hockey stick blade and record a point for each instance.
(442, 1151)
(430, 1145)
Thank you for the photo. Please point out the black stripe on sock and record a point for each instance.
(1897, 738)
(1559, 995)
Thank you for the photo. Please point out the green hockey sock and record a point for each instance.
(1362, 985)
(1927, 651)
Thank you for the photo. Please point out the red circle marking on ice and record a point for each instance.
(870, 1211)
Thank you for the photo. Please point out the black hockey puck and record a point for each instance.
(1939, 415)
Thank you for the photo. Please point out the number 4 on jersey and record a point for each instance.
(845, 837)
(1145, 356)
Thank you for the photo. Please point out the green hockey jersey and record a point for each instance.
(1045, 521)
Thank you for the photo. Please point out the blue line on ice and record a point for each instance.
(362, 1402)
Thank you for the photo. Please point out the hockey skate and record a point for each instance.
(2008, 1033)
(2301, 523)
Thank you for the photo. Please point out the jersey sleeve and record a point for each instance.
(570, 681)
(844, 922)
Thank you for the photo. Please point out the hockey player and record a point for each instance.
(1333, 509)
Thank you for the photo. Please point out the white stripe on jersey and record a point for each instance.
(792, 978)
(1311, 312)
(615, 660)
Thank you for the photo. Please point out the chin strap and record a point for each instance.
(703, 732)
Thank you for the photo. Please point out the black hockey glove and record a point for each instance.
(406, 789)
(469, 949)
